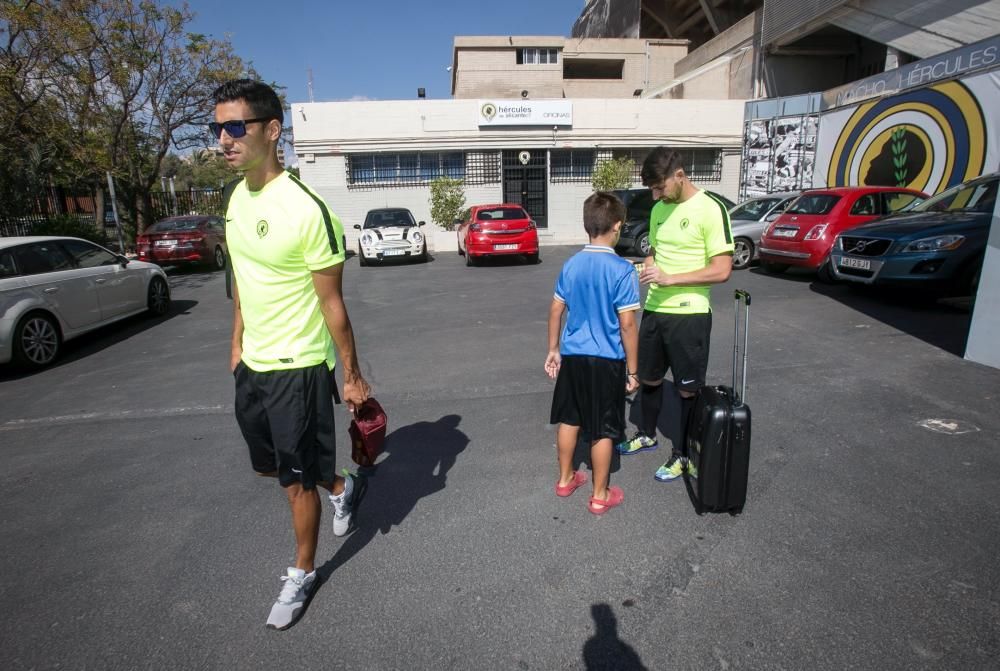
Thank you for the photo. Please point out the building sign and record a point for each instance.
(926, 138)
(983, 54)
(525, 113)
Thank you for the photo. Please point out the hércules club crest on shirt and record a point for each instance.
(261, 228)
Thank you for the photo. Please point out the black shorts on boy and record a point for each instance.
(590, 393)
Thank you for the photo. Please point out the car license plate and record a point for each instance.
(394, 252)
(785, 232)
(861, 264)
(165, 243)
(500, 248)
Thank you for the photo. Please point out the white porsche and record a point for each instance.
(390, 233)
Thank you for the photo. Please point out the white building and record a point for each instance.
(369, 154)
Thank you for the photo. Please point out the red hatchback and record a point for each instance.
(185, 239)
(494, 230)
(803, 235)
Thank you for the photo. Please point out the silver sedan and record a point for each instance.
(748, 221)
(53, 289)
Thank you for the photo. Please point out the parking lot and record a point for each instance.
(135, 535)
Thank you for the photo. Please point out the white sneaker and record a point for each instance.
(343, 506)
(294, 594)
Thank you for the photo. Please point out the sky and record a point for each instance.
(376, 50)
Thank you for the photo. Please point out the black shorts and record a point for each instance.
(675, 342)
(590, 393)
(286, 417)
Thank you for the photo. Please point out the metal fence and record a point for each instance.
(82, 208)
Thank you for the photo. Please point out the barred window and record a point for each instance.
(571, 165)
(390, 169)
(700, 165)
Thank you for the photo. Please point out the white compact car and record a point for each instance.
(390, 233)
(53, 289)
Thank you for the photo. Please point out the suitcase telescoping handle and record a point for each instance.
(740, 294)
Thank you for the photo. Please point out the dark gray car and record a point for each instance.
(748, 221)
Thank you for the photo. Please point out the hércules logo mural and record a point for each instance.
(928, 139)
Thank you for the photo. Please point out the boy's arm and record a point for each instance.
(630, 341)
(553, 359)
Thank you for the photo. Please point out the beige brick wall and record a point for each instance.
(494, 73)
(487, 67)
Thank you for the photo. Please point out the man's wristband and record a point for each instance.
(631, 374)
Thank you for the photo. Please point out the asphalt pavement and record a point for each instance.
(136, 537)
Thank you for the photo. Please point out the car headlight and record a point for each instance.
(939, 243)
(367, 239)
(816, 232)
(416, 236)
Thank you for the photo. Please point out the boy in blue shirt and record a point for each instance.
(594, 363)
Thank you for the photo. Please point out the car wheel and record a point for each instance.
(220, 258)
(825, 273)
(422, 257)
(158, 297)
(469, 261)
(642, 245)
(362, 261)
(37, 340)
(458, 240)
(774, 268)
(533, 258)
(742, 253)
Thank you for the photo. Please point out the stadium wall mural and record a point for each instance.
(928, 138)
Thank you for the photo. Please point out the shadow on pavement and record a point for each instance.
(101, 338)
(605, 651)
(938, 323)
(416, 464)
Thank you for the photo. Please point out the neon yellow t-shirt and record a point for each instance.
(685, 236)
(276, 237)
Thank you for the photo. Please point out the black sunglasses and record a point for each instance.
(236, 128)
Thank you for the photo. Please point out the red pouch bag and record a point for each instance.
(367, 432)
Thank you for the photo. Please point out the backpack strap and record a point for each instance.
(227, 194)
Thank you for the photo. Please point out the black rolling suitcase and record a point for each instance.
(717, 441)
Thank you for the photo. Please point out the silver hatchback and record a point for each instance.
(748, 221)
(53, 289)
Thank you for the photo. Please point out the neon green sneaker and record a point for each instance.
(674, 468)
(639, 442)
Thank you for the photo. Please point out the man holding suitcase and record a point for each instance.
(692, 248)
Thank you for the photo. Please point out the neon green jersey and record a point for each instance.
(685, 236)
(276, 237)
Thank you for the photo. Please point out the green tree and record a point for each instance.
(108, 85)
(613, 174)
(447, 201)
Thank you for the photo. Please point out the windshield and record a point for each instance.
(975, 197)
(174, 225)
(501, 213)
(753, 209)
(819, 203)
(384, 218)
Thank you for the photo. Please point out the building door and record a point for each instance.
(525, 183)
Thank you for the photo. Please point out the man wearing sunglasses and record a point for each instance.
(289, 312)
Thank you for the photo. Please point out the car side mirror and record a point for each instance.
(122, 260)
(357, 226)
(421, 223)
(458, 222)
